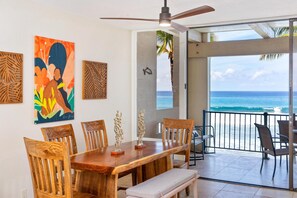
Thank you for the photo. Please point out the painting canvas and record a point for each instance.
(11, 78)
(94, 80)
(54, 80)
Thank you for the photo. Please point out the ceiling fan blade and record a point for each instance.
(179, 27)
(135, 19)
(193, 12)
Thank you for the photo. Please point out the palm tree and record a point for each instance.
(279, 32)
(165, 45)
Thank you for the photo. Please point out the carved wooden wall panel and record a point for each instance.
(11, 78)
(94, 80)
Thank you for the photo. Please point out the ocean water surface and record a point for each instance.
(164, 100)
(250, 101)
(238, 101)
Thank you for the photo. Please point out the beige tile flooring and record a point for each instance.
(239, 167)
(213, 189)
(244, 167)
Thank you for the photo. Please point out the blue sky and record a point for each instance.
(163, 73)
(236, 73)
(247, 73)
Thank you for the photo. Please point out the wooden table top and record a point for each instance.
(102, 161)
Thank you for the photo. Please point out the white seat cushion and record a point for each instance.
(162, 184)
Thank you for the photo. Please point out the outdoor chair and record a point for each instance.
(50, 169)
(284, 133)
(199, 138)
(267, 146)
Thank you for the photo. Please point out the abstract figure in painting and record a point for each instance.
(54, 80)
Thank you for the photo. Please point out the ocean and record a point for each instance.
(164, 100)
(238, 101)
(250, 101)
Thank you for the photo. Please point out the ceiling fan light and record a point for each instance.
(165, 23)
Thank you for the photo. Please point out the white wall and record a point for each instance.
(20, 22)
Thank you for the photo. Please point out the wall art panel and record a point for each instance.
(54, 80)
(94, 80)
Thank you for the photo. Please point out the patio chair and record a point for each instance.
(267, 146)
(199, 137)
(284, 133)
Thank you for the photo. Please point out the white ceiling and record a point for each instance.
(226, 11)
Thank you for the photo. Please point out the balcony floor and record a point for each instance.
(244, 167)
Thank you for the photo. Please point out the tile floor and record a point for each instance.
(243, 167)
(240, 167)
(214, 189)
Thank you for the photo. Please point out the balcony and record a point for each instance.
(238, 156)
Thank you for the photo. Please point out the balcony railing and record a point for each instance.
(236, 131)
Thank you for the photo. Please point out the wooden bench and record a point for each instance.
(167, 184)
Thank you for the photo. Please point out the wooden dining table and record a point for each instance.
(100, 169)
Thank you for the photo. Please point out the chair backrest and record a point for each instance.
(50, 168)
(62, 133)
(265, 137)
(284, 130)
(95, 134)
(178, 130)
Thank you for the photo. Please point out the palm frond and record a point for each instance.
(270, 56)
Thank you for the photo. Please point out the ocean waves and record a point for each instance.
(250, 109)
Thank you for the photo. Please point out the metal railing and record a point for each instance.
(236, 130)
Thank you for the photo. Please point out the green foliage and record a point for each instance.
(164, 43)
(279, 32)
(71, 99)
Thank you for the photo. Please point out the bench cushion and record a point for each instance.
(161, 184)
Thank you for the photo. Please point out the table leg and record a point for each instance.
(157, 167)
(139, 175)
(98, 184)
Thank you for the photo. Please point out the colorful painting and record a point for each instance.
(94, 80)
(54, 80)
(11, 78)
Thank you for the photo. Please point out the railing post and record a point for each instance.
(265, 123)
(265, 118)
(204, 120)
(203, 130)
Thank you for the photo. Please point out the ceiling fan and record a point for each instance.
(165, 18)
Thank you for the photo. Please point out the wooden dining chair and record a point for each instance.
(50, 170)
(180, 131)
(63, 133)
(95, 134)
(96, 137)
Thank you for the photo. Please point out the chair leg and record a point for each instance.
(134, 178)
(187, 191)
(261, 165)
(195, 189)
(274, 167)
(280, 160)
